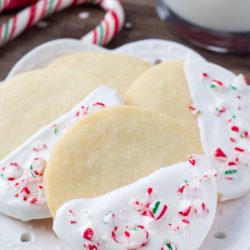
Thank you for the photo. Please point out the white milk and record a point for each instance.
(222, 15)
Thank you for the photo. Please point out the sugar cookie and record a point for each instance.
(117, 70)
(112, 148)
(164, 88)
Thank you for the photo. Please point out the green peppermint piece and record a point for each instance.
(229, 172)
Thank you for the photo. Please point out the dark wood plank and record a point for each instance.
(141, 13)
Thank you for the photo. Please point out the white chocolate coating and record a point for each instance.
(21, 172)
(222, 100)
(173, 207)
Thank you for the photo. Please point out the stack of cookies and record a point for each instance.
(123, 154)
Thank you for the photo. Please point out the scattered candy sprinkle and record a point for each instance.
(219, 154)
(205, 75)
(159, 209)
(193, 109)
(169, 246)
(54, 128)
(184, 207)
(228, 172)
(88, 234)
(40, 148)
(235, 129)
(192, 160)
(72, 217)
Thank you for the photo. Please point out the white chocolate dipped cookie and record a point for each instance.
(21, 172)
(213, 103)
(34, 99)
(172, 209)
(116, 69)
(112, 148)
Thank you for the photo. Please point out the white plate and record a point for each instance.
(149, 50)
(231, 229)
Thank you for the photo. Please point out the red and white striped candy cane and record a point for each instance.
(102, 34)
(12, 4)
(4, 4)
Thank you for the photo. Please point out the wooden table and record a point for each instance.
(141, 13)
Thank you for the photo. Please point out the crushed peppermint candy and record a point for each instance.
(72, 218)
(157, 216)
(193, 109)
(11, 172)
(168, 245)
(223, 100)
(184, 207)
(219, 154)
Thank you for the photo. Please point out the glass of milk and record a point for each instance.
(219, 25)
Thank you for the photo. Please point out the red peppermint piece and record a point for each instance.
(205, 75)
(148, 214)
(88, 234)
(204, 206)
(219, 83)
(93, 247)
(192, 161)
(191, 107)
(220, 154)
(245, 134)
(186, 221)
(72, 217)
(150, 191)
(11, 179)
(185, 212)
(34, 201)
(222, 110)
(26, 190)
(235, 128)
(14, 164)
(127, 234)
(114, 234)
(231, 163)
(163, 211)
(181, 188)
(241, 150)
(99, 104)
(232, 139)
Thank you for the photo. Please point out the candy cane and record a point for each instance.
(12, 4)
(4, 4)
(102, 34)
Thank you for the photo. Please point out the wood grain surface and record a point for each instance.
(141, 13)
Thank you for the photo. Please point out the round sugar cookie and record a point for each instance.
(111, 148)
(164, 88)
(115, 70)
(32, 100)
